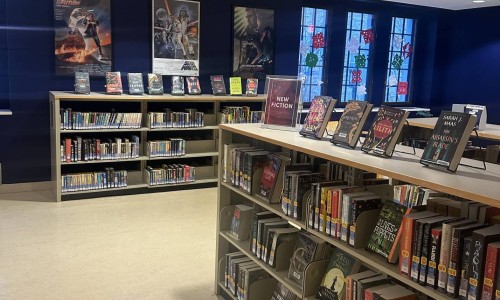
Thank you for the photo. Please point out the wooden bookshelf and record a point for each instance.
(468, 183)
(195, 149)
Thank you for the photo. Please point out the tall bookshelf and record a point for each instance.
(201, 142)
(468, 183)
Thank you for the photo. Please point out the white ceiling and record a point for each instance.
(450, 4)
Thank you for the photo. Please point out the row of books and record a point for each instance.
(87, 149)
(166, 148)
(170, 174)
(114, 84)
(240, 273)
(169, 119)
(99, 120)
(109, 178)
(444, 149)
(457, 255)
(373, 285)
(240, 114)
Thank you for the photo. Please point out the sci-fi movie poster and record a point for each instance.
(176, 27)
(82, 37)
(253, 42)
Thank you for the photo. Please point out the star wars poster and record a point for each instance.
(253, 42)
(82, 37)
(176, 27)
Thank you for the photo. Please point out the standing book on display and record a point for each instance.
(384, 132)
(448, 140)
(480, 112)
(252, 87)
(193, 85)
(282, 102)
(177, 86)
(351, 123)
(135, 84)
(82, 83)
(319, 114)
(235, 86)
(114, 83)
(271, 175)
(155, 84)
(218, 86)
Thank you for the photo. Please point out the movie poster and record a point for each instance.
(176, 47)
(82, 37)
(253, 42)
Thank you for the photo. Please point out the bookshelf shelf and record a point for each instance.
(142, 104)
(468, 183)
(228, 292)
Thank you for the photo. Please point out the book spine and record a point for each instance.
(348, 289)
(497, 291)
(312, 207)
(476, 267)
(490, 270)
(425, 250)
(394, 251)
(405, 250)
(452, 285)
(255, 222)
(444, 257)
(416, 251)
(434, 258)
(286, 192)
(328, 220)
(335, 211)
(464, 283)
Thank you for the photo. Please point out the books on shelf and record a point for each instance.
(384, 132)
(155, 84)
(193, 85)
(318, 117)
(109, 178)
(82, 83)
(166, 148)
(191, 118)
(135, 84)
(241, 222)
(351, 123)
(114, 83)
(252, 87)
(218, 85)
(177, 86)
(448, 140)
(85, 149)
(170, 174)
(240, 114)
(71, 120)
(283, 293)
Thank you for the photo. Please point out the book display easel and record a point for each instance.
(467, 183)
(179, 152)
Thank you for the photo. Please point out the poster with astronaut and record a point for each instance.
(253, 42)
(82, 37)
(176, 28)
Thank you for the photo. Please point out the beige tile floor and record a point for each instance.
(151, 246)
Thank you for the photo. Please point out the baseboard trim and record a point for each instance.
(25, 187)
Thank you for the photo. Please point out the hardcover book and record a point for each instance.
(235, 87)
(281, 235)
(351, 123)
(319, 114)
(135, 84)
(432, 271)
(255, 225)
(384, 132)
(307, 249)
(480, 239)
(283, 293)
(114, 83)
(193, 85)
(363, 284)
(478, 111)
(282, 102)
(241, 223)
(82, 83)
(177, 86)
(386, 234)
(353, 278)
(490, 271)
(464, 270)
(448, 140)
(395, 292)
(333, 285)
(218, 86)
(155, 84)
(252, 87)
(270, 176)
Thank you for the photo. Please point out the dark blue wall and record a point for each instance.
(25, 149)
(469, 61)
(4, 75)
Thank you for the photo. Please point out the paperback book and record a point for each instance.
(82, 83)
(155, 84)
(114, 83)
(318, 117)
(333, 285)
(384, 132)
(252, 87)
(218, 86)
(177, 86)
(235, 86)
(448, 140)
(193, 85)
(351, 123)
(135, 84)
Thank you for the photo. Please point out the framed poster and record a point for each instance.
(82, 37)
(176, 44)
(253, 42)
(283, 101)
